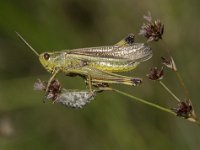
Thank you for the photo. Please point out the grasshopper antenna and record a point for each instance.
(27, 44)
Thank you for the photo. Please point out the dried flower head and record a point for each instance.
(153, 31)
(54, 90)
(184, 109)
(69, 98)
(169, 63)
(39, 85)
(156, 74)
(75, 98)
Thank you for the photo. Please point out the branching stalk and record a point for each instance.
(146, 102)
(180, 79)
(169, 91)
(193, 120)
(183, 84)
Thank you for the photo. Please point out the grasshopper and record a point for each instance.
(97, 64)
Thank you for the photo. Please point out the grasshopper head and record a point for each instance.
(48, 61)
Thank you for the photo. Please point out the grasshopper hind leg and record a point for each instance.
(102, 78)
(126, 81)
(99, 85)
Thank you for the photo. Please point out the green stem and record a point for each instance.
(145, 102)
(180, 79)
(169, 91)
(183, 84)
(196, 121)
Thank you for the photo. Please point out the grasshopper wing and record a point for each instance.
(135, 52)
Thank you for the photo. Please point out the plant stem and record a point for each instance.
(169, 91)
(145, 102)
(183, 84)
(196, 121)
(180, 79)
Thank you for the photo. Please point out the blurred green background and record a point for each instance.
(111, 121)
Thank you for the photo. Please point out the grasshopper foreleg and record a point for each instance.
(55, 72)
(90, 82)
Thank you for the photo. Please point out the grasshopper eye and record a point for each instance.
(46, 56)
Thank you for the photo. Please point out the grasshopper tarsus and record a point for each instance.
(130, 39)
(136, 81)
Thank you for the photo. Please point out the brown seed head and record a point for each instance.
(153, 31)
(169, 63)
(54, 89)
(184, 109)
(156, 74)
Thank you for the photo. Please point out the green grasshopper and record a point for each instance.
(97, 64)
